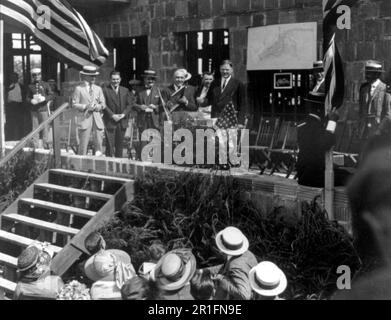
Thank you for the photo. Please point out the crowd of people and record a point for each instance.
(104, 110)
(150, 104)
(108, 274)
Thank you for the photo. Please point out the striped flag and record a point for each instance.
(69, 37)
(334, 75)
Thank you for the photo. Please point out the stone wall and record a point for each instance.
(369, 38)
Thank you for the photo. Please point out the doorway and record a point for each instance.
(279, 94)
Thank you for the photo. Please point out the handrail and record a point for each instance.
(26, 139)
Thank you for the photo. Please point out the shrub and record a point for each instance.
(189, 209)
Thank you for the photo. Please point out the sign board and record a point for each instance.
(283, 81)
(282, 47)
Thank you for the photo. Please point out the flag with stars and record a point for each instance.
(228, 118)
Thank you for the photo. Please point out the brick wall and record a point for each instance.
(369, 38)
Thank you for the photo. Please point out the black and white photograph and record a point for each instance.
(191, 150)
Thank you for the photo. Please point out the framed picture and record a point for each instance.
(283, 81)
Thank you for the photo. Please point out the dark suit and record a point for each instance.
(188, 92)
(120, 103)
(208, 99)
(374, 109)
(314, 141)
(233, 282)
(234, 91)
(148, 120)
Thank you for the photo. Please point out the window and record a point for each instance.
(131, 57)
(204, 50)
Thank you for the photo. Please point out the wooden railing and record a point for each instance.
(56, 138)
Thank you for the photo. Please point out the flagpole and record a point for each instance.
(2, 97)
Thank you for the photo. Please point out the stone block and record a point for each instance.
(181, 9)
(205, 8)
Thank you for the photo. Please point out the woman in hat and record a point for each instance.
(173, 274)
(109, 270)
(268, 281)
(232, 278)
(35, 281)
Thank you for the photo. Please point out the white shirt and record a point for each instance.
(204, 92)
(15, 95)
(115, 89)
(225, 81)
(374, 86)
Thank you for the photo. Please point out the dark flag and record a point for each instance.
(68, 37)
(334, 75)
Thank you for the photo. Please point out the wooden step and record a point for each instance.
(86, 175)
(40, 224)
(58, 207)
(8, 260)
(22, 241)
(7, 285)
(73, 191)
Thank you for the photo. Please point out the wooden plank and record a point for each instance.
(58, 207)
(41, 224)
(22, 241)
(86, 175)
(64, 260)
(7, 285)
(8, 260)
(73, 191)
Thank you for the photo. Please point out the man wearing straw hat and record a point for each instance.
(89, 100)
(173, 274)
(232, 278)
(375, 101)
(39, 94)
(180, 96)
(148, 106)
(268, 281)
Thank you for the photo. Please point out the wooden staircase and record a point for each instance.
(62, 207)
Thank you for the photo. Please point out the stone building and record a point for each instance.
(164, 22)
(198, 34)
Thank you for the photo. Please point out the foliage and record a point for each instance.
(17, 174)
(189, 209)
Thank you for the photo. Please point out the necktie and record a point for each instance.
(90, 91)
(225, 83)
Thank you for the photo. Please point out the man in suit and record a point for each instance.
(179, 96)
(148, 106)
(39, 94)
(119, 102)
(15, 109)
(232, 278)
(227, 90)
(318, 72)
(204, 93)
(89, 100)
(375, 101)
(315, 137)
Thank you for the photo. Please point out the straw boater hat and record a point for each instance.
(28, 258)
(149, 74)
(318, 66)
(232, 241)
(374, 66)
(267, 279)
(174, 270)
(188, 75)
(89, 71)
(101, 266)
(36, 71)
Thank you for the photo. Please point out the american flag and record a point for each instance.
(228, 118)
(69, 37)
(334, 75)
